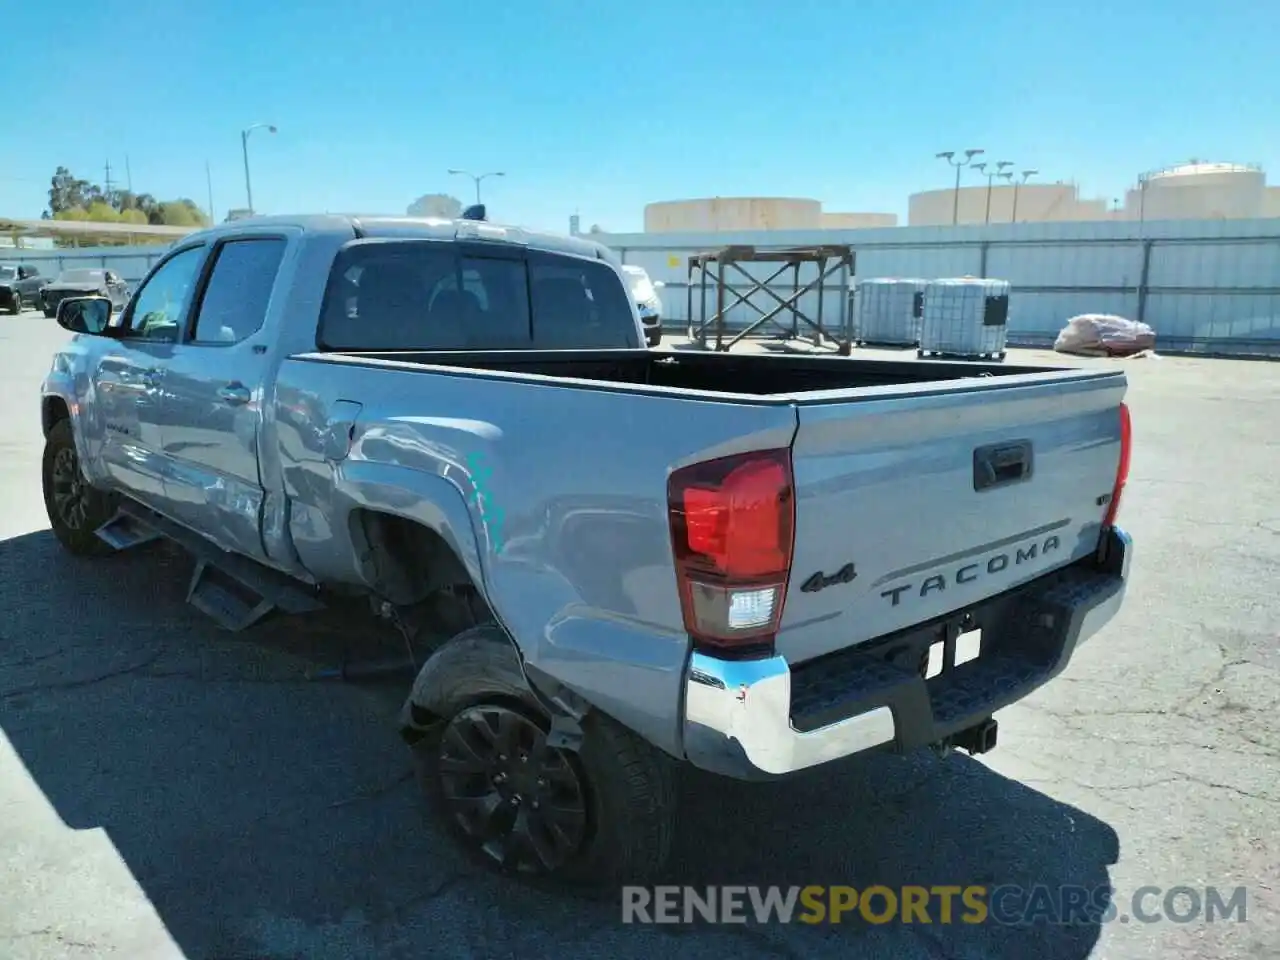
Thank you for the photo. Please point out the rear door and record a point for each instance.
(212, 396)
(910, 507)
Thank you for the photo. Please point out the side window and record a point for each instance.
(32, 273)
(235, 300)
(157, 309)
(579, 304)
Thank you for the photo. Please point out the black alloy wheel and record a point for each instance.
(515, 799)
(68, 493)
(16, 308)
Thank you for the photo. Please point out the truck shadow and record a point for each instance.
(267, 815)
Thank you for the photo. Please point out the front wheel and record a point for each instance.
(76, 510)
(15, 307)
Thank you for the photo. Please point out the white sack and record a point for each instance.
(1101, 334)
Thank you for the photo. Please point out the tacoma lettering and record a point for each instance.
(996, 563)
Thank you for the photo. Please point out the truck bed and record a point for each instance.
(940, 484)
(760, 376)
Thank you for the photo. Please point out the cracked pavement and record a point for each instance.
(169, 790)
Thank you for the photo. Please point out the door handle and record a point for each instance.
(234, 393)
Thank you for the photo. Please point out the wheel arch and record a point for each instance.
(53, 410)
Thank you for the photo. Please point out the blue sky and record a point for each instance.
(600, 107)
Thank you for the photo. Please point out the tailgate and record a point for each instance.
(914, 505)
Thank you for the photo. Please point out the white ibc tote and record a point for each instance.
(965, 317)
(887, 311)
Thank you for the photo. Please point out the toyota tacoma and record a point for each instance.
(753, 564)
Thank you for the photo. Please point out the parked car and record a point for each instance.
(645, 293)
(85, 281)
(20, 286)
(742, 562)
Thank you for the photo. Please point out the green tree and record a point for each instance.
(71, 198)
(102, 212)
(66, 192)
(182, 213)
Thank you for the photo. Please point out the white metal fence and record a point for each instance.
(1209, 286)
(1205, 286)
(131, 263)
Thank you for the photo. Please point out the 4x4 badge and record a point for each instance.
(819, 580)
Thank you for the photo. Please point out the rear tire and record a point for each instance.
(49, 314)
(75, 509)
(614, 798)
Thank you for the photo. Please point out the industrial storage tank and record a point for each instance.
(965, 317)
(887, 311)
(1035, 202)
(1199, 191)
(717, 214)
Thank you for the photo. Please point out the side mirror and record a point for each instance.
(85, 315)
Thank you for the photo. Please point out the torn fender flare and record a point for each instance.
(481, 663)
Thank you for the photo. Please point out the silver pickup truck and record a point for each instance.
(754, 564)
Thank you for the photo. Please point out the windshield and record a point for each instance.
(81, 276)
(8, 273)
(638, 281)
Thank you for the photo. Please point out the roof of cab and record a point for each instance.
(414, 227)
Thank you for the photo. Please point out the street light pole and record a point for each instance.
(1026, 174)
(244, 147)
(477, 177)
(991, 176)
(950, 157)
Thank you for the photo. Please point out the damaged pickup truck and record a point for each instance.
(753, 564)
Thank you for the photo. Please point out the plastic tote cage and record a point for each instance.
(965, 317)
(887, 312)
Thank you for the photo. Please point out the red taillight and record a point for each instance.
(732, 528)
(1122, 469)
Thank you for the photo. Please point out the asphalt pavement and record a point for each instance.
(170, 790)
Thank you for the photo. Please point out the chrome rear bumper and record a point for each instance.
(739, 715)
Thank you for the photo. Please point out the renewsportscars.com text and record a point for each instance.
(940, 904)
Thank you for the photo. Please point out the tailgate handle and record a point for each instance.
(1000, 464)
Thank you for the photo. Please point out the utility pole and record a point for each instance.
(950, 157)
(107, 181)
(208, 179)
(128, 174)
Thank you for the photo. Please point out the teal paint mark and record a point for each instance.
(491, 514)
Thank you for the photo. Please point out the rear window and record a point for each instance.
(437, 295)
(82, 276)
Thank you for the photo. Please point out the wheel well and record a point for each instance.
(404, 561)
(52, 411)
